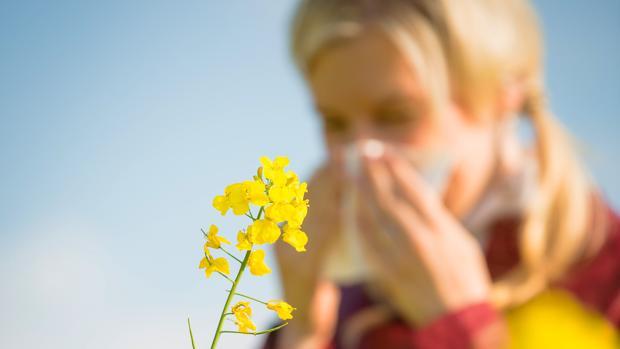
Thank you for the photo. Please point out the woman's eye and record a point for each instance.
(395, 118)
(334, 124)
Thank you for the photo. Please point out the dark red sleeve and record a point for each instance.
(460, 329)
(457, 330)
(596, 281)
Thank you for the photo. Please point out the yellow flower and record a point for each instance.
(243, 313)
(293, 213)
(269, 167)
(279, 212)
(291, 178)
(237, 198)
(300, 191)
(281, 193)
(243, 242)
(256, 263)
(555, 318)
(214, 240)
(256, 192)
(263, 231)
(282, 308)
(210, 264)
(221, 204)
(274, 170)
(295, 237)
(287, 189)
(301, 210)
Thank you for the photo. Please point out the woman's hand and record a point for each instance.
(316, 300)
(427, 263)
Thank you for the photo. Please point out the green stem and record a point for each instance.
(230, 254)
(226, 277)
(248, 297)
(259, 332)
(221, 247)
(191, 335)
(218, 331)
(262, 209)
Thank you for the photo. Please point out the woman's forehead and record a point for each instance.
(365, 71)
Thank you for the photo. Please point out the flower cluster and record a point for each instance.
(277, 197)
(280, 194)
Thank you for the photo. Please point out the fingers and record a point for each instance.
(381, 253)
(325, 185)
(384, 266)
(394, 215)
(413, 188)
(322, 223)
(373, 232)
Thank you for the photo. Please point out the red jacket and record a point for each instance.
(595, 282)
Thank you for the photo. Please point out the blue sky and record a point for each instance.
(120, 120)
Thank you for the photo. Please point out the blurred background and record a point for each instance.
(120, 120)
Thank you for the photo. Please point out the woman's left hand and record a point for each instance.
(428, 264)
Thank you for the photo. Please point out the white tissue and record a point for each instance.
(345, 262)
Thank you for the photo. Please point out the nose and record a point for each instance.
(360, 131)
(356, 135)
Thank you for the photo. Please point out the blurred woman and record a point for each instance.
(457, 222)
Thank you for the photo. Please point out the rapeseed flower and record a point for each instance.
(210, 264)
(256, 263)
(282, 308)
(214, 240)
(243, 313)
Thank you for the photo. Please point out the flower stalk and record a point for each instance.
(218, 330)
(279, 196)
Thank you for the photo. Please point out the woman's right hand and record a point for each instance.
(316, 299)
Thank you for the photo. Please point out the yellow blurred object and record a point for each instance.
(555, 319)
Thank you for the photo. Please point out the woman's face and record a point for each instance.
(365, 88)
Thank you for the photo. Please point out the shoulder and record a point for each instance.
(595, 280)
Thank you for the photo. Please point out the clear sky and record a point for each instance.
(120, 120)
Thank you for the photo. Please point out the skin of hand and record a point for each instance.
(421, 253)
(316, 299)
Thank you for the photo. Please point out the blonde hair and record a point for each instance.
(467, 50)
